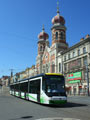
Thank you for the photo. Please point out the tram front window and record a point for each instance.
(55, 86)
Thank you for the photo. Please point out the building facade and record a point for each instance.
(5, 81)
(74, 63)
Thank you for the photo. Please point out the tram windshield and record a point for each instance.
(54, 85)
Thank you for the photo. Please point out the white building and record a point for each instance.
(76, 66)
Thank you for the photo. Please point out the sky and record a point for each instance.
(21, 21)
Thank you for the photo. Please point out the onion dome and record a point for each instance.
(43, 34)
(58, 18)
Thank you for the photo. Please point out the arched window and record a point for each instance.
(78, 52)
(84, 50)
(56, 35)
(41, 48)
(62, 35)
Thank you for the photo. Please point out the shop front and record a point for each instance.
(74, 83)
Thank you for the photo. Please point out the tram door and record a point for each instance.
(38, 90)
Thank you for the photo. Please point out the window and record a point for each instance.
(69, 56)
(65, 67)
(47, 68)
(12, 87)
(41, 48)
(65, 58)
(62, 35)
(73, 53)
(16, 87)
(59, 67)
(24, 87)
(78, 52)
(85, 61)
(54, 85)
(56, 35)
(79, 63)
(34, 86)
(84, 50)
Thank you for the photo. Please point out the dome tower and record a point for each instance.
(43, 41)
(59, 31)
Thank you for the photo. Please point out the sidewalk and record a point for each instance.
(79, 99)
(4, 90)
(78, 94)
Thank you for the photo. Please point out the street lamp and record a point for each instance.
(87, 70)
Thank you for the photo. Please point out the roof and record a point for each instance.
(53, 74)
(77, 45)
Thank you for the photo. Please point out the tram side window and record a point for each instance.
(12, 87)
(24, 87)
(34, 86)
(17, 87)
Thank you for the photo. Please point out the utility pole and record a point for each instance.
(87, 70)
(28, 72)
(11, 73)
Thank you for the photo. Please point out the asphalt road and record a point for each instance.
(13, 108)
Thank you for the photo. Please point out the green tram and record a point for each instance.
(46, 88)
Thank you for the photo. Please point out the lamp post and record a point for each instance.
(87, 70)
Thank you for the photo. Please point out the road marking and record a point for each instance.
(58, 118)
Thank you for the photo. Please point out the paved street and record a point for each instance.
(13, 108)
